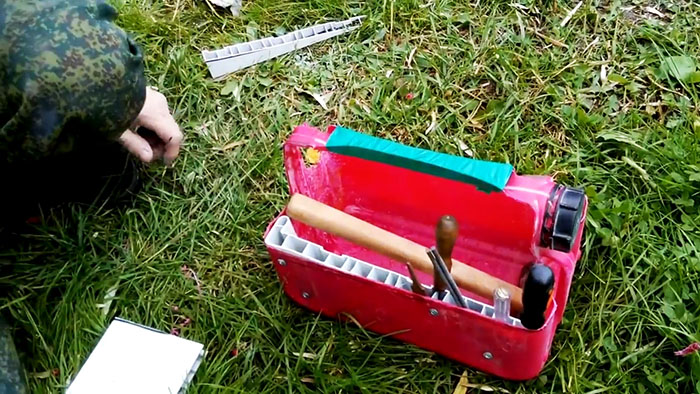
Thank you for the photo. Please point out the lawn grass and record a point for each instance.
(589, 102)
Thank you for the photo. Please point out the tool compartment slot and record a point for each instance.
(378, 275)
(315, 252)
(403, 283)
(448, 298)
(361, 269)
(349, 264)
(391, 279)
(334, 261)
(294, 244)
(475, 306)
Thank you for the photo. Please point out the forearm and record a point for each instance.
(73, 77)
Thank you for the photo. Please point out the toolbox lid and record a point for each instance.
(486, 176)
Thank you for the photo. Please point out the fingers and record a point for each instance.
(157, 145)
(156, 116)
(137, 146)
(158, 152)
(169, 132)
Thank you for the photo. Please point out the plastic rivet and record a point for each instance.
(488, 355)
(305, 295)
(434, 311)
(282, 262)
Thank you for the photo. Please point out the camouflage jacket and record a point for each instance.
(68, 77)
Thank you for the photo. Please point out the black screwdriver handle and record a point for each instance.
(537, 294)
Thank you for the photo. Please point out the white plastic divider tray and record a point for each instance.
(283, 237)
(238, 56)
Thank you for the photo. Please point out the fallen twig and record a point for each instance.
(552, 41)
(603, 73)
(433, 122)
(189, 273)
(571, 14)
(410, 58)
(654, 11)
(231, 146)
(591, 44)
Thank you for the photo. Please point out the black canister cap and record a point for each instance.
(567, 217)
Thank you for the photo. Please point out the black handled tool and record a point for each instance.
(537, 295)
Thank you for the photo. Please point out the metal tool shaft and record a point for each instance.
(416, 286)
(441, 269)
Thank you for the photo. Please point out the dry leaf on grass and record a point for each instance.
(308, 356)
(433, 122)
(462, 385)
(571, 14)
(321, 99)
(231, 145)
(654, 11)
(107, 300)
(190, 274)
(464, 147)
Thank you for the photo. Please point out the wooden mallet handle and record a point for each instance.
(343, 225)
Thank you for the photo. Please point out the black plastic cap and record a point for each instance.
(537, 292)
(567, 218)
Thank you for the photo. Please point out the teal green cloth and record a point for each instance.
(485, 175)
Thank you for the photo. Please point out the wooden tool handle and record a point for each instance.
(446, 236)
(341, 224)
(446, 233)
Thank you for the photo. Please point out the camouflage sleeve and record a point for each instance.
(68, 76)
(11, 373)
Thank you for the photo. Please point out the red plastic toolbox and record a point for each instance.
(502, 231)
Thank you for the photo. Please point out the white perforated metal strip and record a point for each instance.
(238, 56)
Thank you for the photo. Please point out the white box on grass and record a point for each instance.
(131, 358)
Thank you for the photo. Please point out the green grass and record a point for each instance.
(490, 84)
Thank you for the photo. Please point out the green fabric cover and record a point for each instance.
(486, 176)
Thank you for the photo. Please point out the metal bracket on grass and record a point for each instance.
(239, 56)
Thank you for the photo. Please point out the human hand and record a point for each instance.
(154, 135)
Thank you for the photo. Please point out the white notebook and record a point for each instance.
(131, 358)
